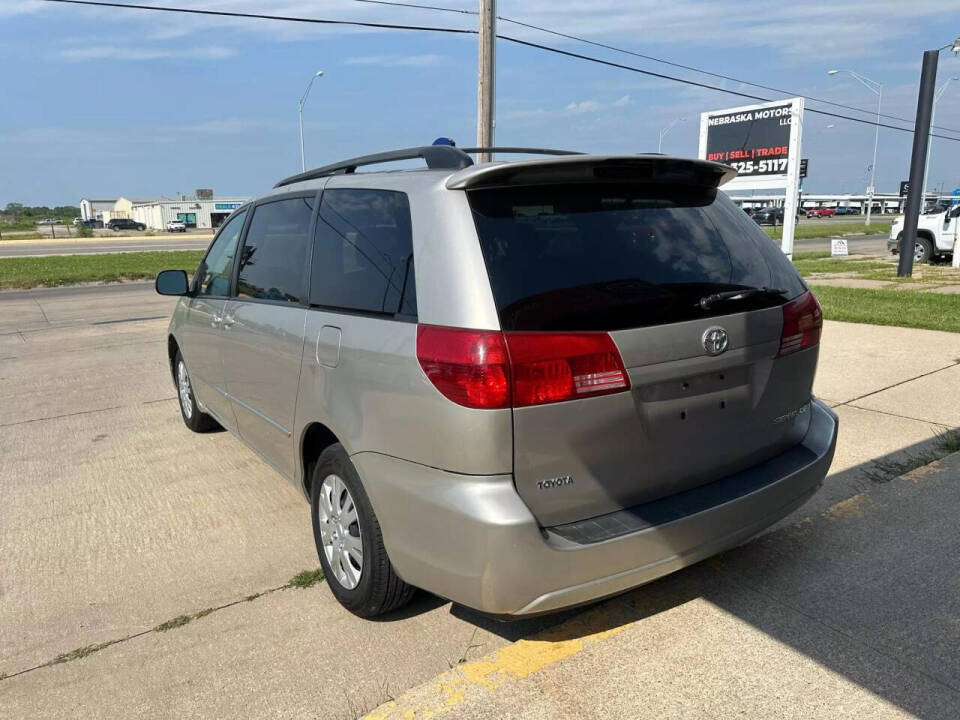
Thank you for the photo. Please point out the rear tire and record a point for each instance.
(349, 541)
(193, 418)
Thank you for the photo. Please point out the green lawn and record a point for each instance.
(830, 229)
(31, 272)
(890, 307)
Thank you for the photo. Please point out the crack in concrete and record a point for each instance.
(901, 382)
(897, 415)
(303, 580)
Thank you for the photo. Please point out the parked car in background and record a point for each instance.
(176, 226)
(521, 386)
(125, 224)
(821, 212)
(93, 224)
(847, 210)
(769, 216)
(48, 221)
(937, 235)
(77, 221)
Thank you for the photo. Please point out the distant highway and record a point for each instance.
(866, 244)
(96, 246)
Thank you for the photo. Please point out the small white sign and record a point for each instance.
(838, 247)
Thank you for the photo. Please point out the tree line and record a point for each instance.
(18, 212)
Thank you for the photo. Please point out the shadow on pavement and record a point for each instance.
(868, 587)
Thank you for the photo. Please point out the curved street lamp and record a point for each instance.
(877, 88)
(668, 128)
(926, 168)
(300, 103)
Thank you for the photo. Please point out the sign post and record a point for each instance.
(762, 142)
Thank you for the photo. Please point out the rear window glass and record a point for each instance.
(620, 255)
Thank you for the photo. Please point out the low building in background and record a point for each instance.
(202, 211)
(193, 212)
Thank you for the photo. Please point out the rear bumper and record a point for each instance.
(472, 539)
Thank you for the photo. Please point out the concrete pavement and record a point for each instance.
(116, 519)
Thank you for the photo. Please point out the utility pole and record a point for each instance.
(921, 138)
(486, 75)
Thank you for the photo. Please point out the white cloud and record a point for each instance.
(592, 106)
(121, 52)
(584, 106)
(396, 60)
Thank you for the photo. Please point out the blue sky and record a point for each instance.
(108, 102)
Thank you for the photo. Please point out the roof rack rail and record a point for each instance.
(520, 151)
(437, 157)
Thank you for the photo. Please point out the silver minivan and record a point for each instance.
(518, 385)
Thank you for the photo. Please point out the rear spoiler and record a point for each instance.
(593, 168)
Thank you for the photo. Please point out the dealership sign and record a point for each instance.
(227, 205)
(762, 143)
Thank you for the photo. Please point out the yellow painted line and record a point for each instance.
(447, 691)
(524, 657)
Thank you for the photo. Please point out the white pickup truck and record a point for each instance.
(936, 235)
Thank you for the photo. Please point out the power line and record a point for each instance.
(652, 58)
(700, 70)
(460, 31)
(418, 7)
(694, 83)
(261, 16)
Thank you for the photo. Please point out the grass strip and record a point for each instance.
(829, 229)
(52, 270)
(890, 307)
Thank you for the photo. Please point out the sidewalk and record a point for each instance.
(116, 521)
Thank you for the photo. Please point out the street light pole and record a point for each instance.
(933, 116)
(664, 131)
(877, 88)
(300, 102)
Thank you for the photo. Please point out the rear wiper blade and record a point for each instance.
(708, 300)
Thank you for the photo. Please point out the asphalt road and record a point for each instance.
(858, 245)
(868, 244)
(152, 561)
(88, 246)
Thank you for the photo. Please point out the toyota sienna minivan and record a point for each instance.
(519, 385)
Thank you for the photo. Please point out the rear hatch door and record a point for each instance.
(637, 259)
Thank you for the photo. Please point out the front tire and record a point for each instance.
(349, 541)
(193, 418)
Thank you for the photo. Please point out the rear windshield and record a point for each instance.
(615, 256)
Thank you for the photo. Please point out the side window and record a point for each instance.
(363, 252)
(273, 263)
(214, 272)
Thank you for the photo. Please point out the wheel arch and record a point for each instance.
(315, 438)
(172, 349)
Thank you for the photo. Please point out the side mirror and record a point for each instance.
(172, 282)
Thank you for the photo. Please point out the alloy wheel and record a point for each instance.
(183, 389)
(340, 531)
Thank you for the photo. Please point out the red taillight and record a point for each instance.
(489, 369)
(469, 367)
(552, 367)
(802, 322)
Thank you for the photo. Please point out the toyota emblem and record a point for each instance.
(715, 340)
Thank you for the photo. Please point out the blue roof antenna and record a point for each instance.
(444, 141)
